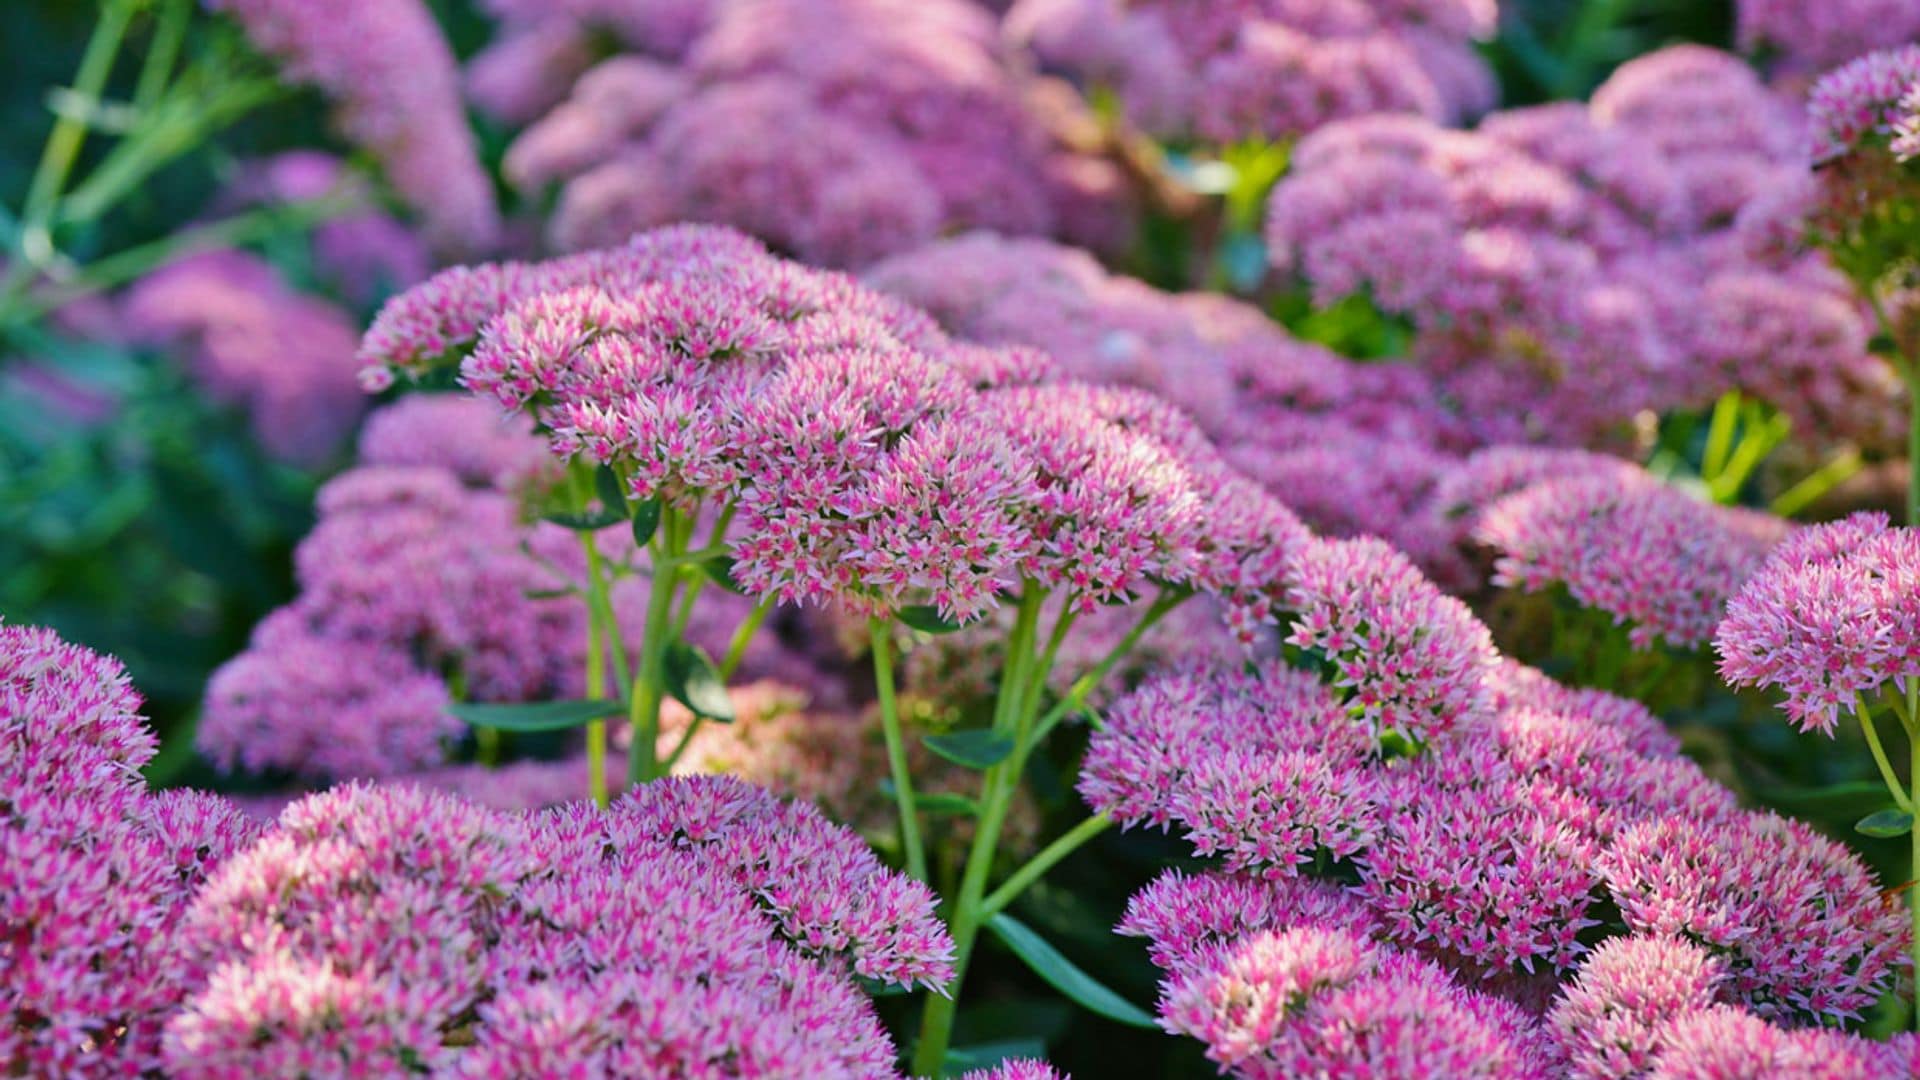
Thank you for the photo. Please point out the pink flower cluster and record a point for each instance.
(846, 429)
(1495, 855)
(1801, 39)
(1270, 69)
(1659, 561)
(254, 343)
(409, 579)
(1829, 619)
(1650, 1006)
(1568, 268)
(387, 67)
(838, 130)
(1353, 449)
(94, 868)
(694, 923)
(1861, 101)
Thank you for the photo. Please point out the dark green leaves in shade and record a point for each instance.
(646, 519)
(976, 748)
(694, 682)
(927, 619)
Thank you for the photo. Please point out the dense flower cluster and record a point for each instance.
(839, 130)
(1265, 69)
(847, 431)
(1354, 449)
(412, 584)
(1491, 857)
(253, 342)
(1861, 101)
(94, 868)
(387, 67)
(1660, 562)
(1567, 268)
(394, 928)
(1828, 619)
(1801, 39)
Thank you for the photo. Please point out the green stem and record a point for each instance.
(882, 633)
(998, 788)
(643, 755)
(124, 266)
(1036, 867)
(168, 32)
(1086, 684)
(1913, 838)
(743, 636)
(1822, 480)
(70, 132)
(596, 673)
(1894, 786)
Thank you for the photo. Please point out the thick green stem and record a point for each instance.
(596, 671)
(916, 852)
(998, 788)
(1036, 867)
(1086, 684)
(70, 132)
(168, 32)
(743, 637)
(1913, 837)
(643, 754)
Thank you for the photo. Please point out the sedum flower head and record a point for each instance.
(1827, 618)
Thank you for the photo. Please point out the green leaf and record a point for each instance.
(1886, 823)
(926, 618)
(535, 716)
(547, 594)
(695, 682)
(607, 485)
(646, 519)
(587, 520)
(986, 1055)
(976, 748)
(719, 570)
(1061, 974)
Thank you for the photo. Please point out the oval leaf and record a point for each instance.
(694, 682)
(646, 519)
(607, 485)
(587, 520)
(536, 715)
(926, 618)
(977, 748)
(1061, 974)
(1886, 823)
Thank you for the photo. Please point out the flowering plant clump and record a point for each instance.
(95, 869)
(783, 612)
(393, 77)
(1502, 854)
(838, 130)
(1265, 70)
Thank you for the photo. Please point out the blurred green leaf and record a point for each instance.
(1886, 823)
(696, 683)
(975, 748)
(535, 716)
